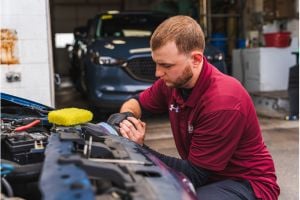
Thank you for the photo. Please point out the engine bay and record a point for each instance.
(40, 160)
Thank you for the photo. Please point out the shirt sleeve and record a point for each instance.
(197, 175)
(154, 99)
(216, 138)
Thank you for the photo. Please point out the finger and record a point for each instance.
(139, 125)
(143, 124)
(134, 120)
(124, 126)
(126, 130)
(130, 125)
(123, 133)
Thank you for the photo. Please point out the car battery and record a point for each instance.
(26, 147)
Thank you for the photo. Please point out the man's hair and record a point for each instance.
(183, 30)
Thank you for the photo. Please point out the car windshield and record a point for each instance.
(127, 25)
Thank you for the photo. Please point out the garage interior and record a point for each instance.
(237, 22)
(237, 28)
(241, 25)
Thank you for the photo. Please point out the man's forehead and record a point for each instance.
(166, 50)
(169, 44)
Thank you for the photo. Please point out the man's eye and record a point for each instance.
(166, 65)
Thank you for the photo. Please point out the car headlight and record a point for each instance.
(107, 60)
(209, 58)
(218, 57)
(104, 60)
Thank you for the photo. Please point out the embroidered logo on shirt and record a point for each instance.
(174, 108)
(190, 128)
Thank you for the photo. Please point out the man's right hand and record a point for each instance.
(133, 129)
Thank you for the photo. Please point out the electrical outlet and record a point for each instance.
(13, 76)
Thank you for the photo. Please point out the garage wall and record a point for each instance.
(67, 14)
(26, 54)
(72, 13)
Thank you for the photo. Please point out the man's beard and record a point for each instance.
(186, 76)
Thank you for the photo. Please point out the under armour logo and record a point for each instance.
(172, 108)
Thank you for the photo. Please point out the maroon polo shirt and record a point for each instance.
(216, 128)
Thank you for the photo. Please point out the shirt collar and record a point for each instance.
(199, 89)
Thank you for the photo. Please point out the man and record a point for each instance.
(212, 117)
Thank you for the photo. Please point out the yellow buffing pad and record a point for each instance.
(70, 116)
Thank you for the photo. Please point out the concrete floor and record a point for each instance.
(281, 138)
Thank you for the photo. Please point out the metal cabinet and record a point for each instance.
(263, 69)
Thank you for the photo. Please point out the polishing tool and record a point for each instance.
(69, 116)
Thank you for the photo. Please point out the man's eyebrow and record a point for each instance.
(166, 65)
(162, 62)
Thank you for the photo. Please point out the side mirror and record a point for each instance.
(80, 33)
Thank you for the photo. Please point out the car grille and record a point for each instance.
(141, 68)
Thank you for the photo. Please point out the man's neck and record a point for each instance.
(196, 75)
(185, 93)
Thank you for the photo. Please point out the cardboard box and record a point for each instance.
(285, 8)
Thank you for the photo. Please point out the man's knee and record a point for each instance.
(226, 190)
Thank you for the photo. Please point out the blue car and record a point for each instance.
(111, 57)
(40, 160)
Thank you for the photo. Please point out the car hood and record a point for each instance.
(122, 47)
(8, 98)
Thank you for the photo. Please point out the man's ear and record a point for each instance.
(197, 58)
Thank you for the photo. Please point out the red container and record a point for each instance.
(280, 39)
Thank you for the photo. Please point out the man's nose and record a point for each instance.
(158, 72)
